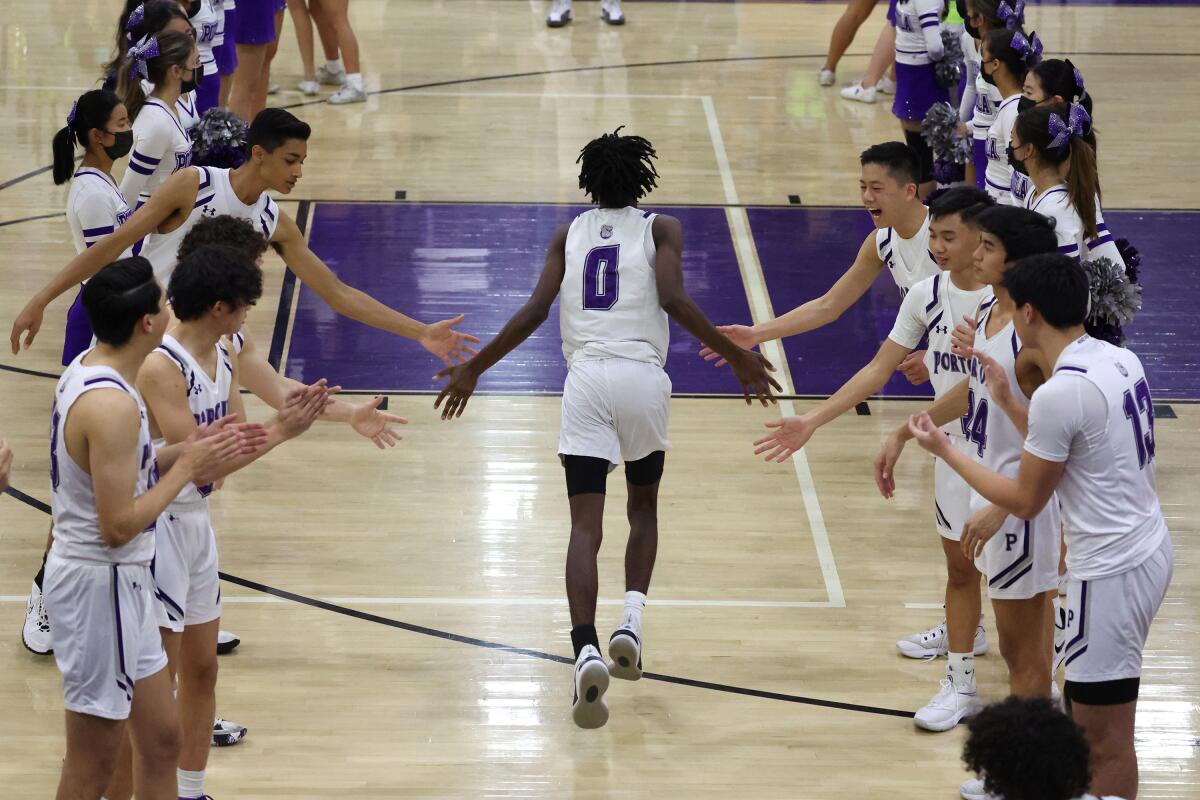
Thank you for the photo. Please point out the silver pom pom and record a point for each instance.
(1113, 299)
(940, 131)
(949, 71)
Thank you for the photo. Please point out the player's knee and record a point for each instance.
(587, 534)
(961, 574)
(161, 748)
(200, 675)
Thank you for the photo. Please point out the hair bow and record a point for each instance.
(135, 18)
(1073, 126)
(1012, 18)
(71, 116)
(1030, 48)
(143, 52)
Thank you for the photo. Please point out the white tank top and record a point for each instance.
(161, 148)
(76, 522)
(1068, 227)
(95, 208)
(997, 443)
(214, 197)
(208, 398)
(609, 297)
(909, 260)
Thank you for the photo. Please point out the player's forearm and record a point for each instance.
(275, 438)
(360, 306)
(1017, 413)
(802, 319)
(947, 408)
(79, 269)
(995, 488)
(866, 382)
(516, 330)
(145, 509)
(684, 310)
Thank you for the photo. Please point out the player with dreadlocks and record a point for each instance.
(619, 270)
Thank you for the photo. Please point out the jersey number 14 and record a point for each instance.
(974, 422)
(600, 279)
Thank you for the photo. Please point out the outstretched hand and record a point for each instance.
(788, 435)
(449, 345)
(28, 322)
(885, 465)
(209, 447)
(460, 385)
(753, 372)
(303, 406)
(371, 423)
(741, 335)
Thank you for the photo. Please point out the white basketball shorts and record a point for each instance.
(615, 409)
(104, 632)
(951, 496)
(1021, 560)
(185, 567)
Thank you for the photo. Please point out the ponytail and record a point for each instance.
(1019, 53)
(91, 112)
(1058, 132)
(150, 59)
(138, 21)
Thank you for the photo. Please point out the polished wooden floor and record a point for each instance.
(791, 581)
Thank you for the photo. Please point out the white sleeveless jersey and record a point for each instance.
(1096, 414)
(609, 306)
(161, 148)
(909, 260)
(933, 307)
(214, 197)
(95, 208)
(209, 25)
(208, 398)
(1068, 227)
(998, 179)
(914, 18)
(997, 442)
(189, 113)
(76, 522)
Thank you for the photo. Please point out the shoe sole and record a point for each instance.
(36, 652)
(626, 660)
(950, 724)
(225, 648)
(590, 709)
(552, 24)
(612, 20)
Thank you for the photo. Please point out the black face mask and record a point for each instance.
(988, 79)
(1024, 104)
(1014, 162)
(121, 147)
(190, 85)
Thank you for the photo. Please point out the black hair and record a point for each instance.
(213, 274)
(617, 170)
(155, 16)
(1026, 749)
(897, 158)
(958, 200)
(238, 234)
(274, 126)
(989, 10)
(1054, 284)
(1022, 232)
(174, 50)
(999, 44)
(92, 111)
(1060, 77)
(118, 296)
(1083, 177)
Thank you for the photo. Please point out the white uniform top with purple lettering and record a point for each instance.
(1055, 203)
(209, 25)
(933, 307)
(997, 442)
(161, 148)
(909, 260)
(95, 208)
(1096, 414)
(981, 99)
(207, 397)
(608, 304)
(214, 197)
(918, 32)
(73, 500)
(998, 180)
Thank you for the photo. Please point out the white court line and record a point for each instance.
(760, 308)
(495, 601)
(925, 605)
(538, 95)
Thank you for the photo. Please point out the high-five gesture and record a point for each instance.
(788, 435)
(371, 423)
(460, 385)
(449, 345)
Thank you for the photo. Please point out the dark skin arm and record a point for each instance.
(750, 368)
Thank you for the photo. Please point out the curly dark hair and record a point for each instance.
(1026, 749)
(240, 234)
(617, 170)
(213, 274)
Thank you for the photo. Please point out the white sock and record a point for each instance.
(354, 80)
(191, 784)
(962, 672)
(635, 604)
(334, 66)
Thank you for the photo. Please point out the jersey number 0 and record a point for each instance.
(600, 280)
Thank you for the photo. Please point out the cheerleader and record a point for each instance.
(918, 47)
(1049, 144)
(1005, 59)
(171, 62)
(1057, 80)
(100, 125)
(142, 22)
(979, 100)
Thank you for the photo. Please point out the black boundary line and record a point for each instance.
(8, 222)
(638, 65)
(313, 602)
(287, 293)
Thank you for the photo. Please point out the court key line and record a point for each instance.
(335, 608)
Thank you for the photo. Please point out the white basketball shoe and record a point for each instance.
(947, 708)
(589, 709)
(610, 12)
(36, 633)
(560, 14)
(934, 642)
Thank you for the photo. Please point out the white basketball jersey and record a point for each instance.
(609, 297)
(997, 442)
(909, 260)
(1108, 490)
(1068, 227)
(214, 197)
(998, 178)
(76, 522)
(913, 17)
(95, 208)
(209, 25)
(932, 308)
(208, 397)
(161, 148)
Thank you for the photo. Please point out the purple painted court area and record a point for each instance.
(436, 261)
(803, 251)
